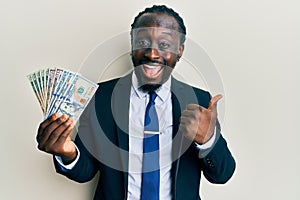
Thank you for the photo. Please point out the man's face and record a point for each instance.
(155, 48)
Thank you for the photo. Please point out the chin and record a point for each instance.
(144, 80)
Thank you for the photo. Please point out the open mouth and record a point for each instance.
(152, 70)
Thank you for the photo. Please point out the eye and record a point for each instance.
(143, 43)
(164, 45)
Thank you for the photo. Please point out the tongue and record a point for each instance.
(151, 71)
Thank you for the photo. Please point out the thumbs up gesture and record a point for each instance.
(198, 123)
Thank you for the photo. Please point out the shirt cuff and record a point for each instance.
(71, 165)
(207, 144)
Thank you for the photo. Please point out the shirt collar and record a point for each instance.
(161, 92)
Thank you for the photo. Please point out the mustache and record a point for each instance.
(148, 61)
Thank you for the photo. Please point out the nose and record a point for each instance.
(152, 53)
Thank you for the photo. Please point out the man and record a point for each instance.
(113, 136)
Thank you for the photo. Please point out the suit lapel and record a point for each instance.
(182, 95)
(176, 91)
(120, 111)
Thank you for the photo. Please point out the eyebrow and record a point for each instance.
(167, 33)
(145, 30)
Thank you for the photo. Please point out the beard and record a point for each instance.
(149, 88)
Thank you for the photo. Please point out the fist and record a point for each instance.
(54, 137)
(198, 123)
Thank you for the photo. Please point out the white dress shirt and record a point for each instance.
(163, 105)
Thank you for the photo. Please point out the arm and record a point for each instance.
(84, 169)
(199, 125)
(218, 165)
(54, 138)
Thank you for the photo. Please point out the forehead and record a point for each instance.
(157, 20)
(156, 25)
(154, 32)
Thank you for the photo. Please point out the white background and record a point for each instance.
(254, 44)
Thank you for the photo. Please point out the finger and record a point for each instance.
(195, 107)
(50, 129)
(59, 131)
(46, 123)
(63, 137)
(213, 102)
(194, 114)
(192, 107)
(184, 120)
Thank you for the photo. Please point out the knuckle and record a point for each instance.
(64, 136)
(71, 125)
(46, 148)
(40, 147)
(53, 116)
(55, 133)
(42, 126)
(59, 120)
(47, 129)
(66, 123)
(181, 119)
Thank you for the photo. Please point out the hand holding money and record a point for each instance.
(54, 137)
(62, 95)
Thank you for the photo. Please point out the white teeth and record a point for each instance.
(151, 66)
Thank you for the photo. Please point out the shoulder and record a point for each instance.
(203, 97)
(104, 93)
(107, 87)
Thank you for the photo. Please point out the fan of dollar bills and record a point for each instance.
(62, 91)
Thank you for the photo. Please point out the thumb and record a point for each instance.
(213, 102)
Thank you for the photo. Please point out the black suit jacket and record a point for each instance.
(102, 140)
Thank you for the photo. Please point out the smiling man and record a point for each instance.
(156, 48)
(149, 135)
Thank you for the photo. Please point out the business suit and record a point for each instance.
(103, 137)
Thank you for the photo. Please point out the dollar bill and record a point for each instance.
(62, 91)
(39, 84)
(35, 90)
(50, 86)
(77, 97)
(46, 75)
(42, 77)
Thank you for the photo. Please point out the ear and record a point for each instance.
(180, 51)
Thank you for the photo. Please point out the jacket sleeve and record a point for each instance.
(84, 170)
(218, 165)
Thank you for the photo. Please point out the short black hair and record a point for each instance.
(162, 9)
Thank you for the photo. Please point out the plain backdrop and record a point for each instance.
(255, 46)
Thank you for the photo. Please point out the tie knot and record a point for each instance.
(152, 95)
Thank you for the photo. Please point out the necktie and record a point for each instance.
(150, 173)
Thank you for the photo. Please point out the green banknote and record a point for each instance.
(61, 91)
